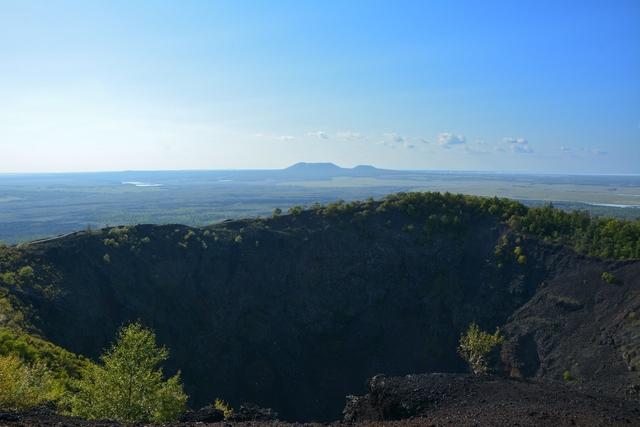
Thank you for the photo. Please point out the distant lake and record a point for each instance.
(141, 184)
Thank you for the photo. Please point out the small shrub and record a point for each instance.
(408, 228)
(475, 345)
(566, 376)
(223, 406)
(111, 242)
(295, 210)
(608, 278)
(22, 385)
(26, 272)
(106, 258)
(277, 212)
(238, 239)
(522, 260)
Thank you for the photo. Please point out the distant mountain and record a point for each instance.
(329, 170)
(314, 167)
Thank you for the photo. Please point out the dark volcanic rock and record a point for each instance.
(206, 414)
(252, 412)
(467, 400)
(580, 330)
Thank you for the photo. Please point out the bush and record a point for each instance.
(223, 406)
(475, 345)
(608, 278)
(22, 385)
(295, 210)
(129, 386)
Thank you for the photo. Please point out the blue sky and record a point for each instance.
(475, 85)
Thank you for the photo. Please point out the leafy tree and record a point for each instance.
(475, 345)
(22, 385)
(129, 386)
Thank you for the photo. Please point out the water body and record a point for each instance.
(141, 184)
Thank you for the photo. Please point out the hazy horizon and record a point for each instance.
(488, 172)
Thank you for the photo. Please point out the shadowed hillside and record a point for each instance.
(294, 312)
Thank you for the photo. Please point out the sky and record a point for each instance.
(526, 86)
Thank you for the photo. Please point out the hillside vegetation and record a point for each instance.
(294, 311)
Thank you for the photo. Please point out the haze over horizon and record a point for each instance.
(499, 86)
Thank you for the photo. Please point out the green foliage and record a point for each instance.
(37, 371)
(295, 210)
(129, 386)
(609, 278)
(23, 385)
(475, 345)
(64, 365)
(277, 212)
(223, 406)
(26, 272)
(111, 242)
(601, 237)
(566, 376)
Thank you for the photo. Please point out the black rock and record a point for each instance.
(207, 414)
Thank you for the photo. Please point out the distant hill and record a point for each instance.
(330, 170)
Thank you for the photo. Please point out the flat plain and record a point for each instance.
(34, 206)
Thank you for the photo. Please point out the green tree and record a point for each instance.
(22, 385)
(475, 345)
(129, 386)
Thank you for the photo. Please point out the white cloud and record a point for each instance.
(448, 140)
(593, 151)
(349, 136)
(583, 151)
(518, 145)
(318, 134)
(286, 138)
(393, 138)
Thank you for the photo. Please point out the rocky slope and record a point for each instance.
(454, 399)
(293, 312)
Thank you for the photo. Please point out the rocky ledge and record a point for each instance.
(456, 399)
(420, 400)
